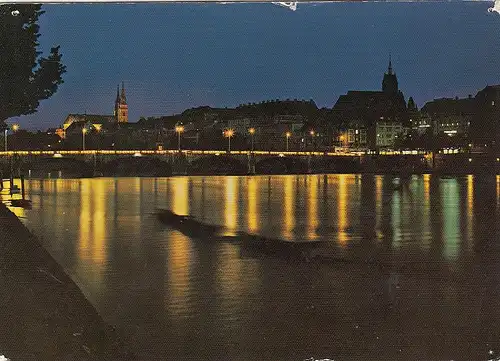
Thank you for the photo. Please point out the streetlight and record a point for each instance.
(229, 133)
(252, 132)
(179, 129)
(312, 138)
(288, 135)
(15, 128)
(98, 128)
(84, 130)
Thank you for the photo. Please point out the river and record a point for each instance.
(422, 281)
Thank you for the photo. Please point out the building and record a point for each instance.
(485, 124)
(357, 114)
(121, 107)
(98, 121)
(388, 133)
(239, 125)
(450, 116)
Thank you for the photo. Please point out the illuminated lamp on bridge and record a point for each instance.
(137, 154)
(57, 155)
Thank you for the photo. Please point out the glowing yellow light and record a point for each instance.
(251, 130)
(311, 132)
(252, 196)
(288, 134)
(342, 138)
(179, 128)
(342, 210)
(15, 127)
(85, 218)
(231, 204)
(289, 208)
(180, 195)
(229, 133)
(84, 130)
(312, 208)
(98, 217)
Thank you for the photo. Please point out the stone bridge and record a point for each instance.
(58, 164)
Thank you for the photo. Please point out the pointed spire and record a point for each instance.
(123, 98)
(117, 94)
(389, 70)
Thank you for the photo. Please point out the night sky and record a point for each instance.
(176, 56)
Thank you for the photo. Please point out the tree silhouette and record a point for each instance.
(26, 77)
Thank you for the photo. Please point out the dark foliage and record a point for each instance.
(26, 77)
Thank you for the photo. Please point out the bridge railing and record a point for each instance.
(138, 153)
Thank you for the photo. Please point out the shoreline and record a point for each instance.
(43, 313)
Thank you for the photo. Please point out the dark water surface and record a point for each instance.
(423, 281)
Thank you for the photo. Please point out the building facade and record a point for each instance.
(388, 133)
(450, 116)
(372, 118)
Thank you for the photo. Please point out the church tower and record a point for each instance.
(121, 107)
(390, 81)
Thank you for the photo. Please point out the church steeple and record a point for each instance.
(390, 81)
(123, 98)
(121, 108)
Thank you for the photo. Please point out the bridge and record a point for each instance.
(77, 163)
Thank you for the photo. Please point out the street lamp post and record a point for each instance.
(288, 135)
(179, 129)
(229, 133)
(84, 131)
(252, 132)
(312, 138)
(15, 128)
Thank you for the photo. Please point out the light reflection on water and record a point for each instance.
(425, 262)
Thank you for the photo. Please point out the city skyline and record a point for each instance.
(271, 53)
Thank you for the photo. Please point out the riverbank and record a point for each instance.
(43, 313)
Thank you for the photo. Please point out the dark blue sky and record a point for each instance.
(176, 56)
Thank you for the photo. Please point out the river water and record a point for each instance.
(420, 281)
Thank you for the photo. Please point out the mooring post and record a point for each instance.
(22, 186)
(11, 175)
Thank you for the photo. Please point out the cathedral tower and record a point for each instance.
(121, 107)
(390, 81)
